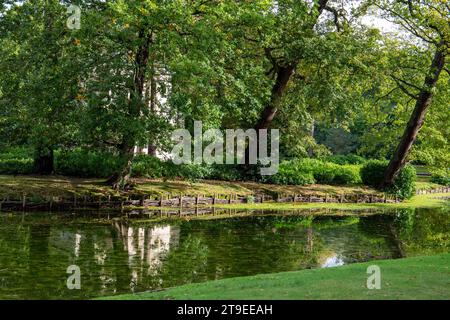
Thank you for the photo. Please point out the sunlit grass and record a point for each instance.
(411, 278)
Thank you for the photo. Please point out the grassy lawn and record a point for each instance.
(423, 173)
(59, 186)
(51, 186)
(434, 200)
(411, 278)
(16, 186)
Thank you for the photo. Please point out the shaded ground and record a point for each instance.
(58, 186)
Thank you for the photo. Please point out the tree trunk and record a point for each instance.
(151, 144)
(283, 75)
(120, 179)
(416, 120)
(44, 162)
(312, 131)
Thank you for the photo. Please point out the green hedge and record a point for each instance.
(441, 177)
(346, 159)
(289, 173)
(154, 168)
(293, 172)
(86, 164)
(16, 166)
(372, 174)
(309, 171)
(16, 161)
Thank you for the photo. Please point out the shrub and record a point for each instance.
(287, 175)
(292, 172)
(86, 164)
(404, 184)
(347, 174)
(309, 171)
(16, 161)
(152, 167)
(331, 173)
(372, 174)
(194, 171)
(148, 167)
(346, 159)
(441, 177)
(226, 173)
(16, 153)
(16, 166)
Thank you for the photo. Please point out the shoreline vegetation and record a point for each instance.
(63, 193)
(424, 277)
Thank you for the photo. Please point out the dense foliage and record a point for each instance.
(404, 184)
(309, 171)
(338, 88)
(441, 177)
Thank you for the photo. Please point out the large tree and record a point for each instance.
(429, 21)
(39, 77)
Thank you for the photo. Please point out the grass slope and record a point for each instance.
(16, 186)
(59, 185)
(411, 278)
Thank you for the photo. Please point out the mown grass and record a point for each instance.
(419, 201)
(411, 278)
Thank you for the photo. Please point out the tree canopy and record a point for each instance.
(136, 70)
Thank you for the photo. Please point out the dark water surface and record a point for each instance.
(125, 255)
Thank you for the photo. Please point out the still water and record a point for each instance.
(117, 255)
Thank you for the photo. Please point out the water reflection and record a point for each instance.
(119, 256)
(332, 261)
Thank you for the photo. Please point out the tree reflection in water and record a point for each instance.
(117, 256)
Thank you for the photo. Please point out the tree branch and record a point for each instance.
(407, 83)
(401, 87)
(336, 16)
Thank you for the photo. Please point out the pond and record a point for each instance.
(122, 255)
